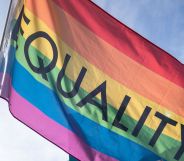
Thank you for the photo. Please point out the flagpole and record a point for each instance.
(6, 24)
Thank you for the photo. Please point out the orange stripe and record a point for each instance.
(103, 55)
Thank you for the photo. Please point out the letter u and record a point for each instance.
(77, 84)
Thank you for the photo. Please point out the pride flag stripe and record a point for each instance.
(173, 132)
(147, 83)
(115, 145)
(101, 23)
(55, 132)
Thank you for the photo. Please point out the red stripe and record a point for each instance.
(124, 39)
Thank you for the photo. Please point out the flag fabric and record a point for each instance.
(94, 87)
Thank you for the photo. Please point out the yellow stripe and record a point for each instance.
(94, 77)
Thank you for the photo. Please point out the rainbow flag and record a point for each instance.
(94, 87)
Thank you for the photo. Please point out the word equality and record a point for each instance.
(99, 90)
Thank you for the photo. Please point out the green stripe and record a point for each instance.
(164, 142)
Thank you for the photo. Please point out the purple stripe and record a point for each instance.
(56, 133)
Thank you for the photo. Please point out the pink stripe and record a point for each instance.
(51, 130)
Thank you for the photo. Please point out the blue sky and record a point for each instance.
(3, 12)
(159, 21)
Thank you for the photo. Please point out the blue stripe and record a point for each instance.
(92, 133)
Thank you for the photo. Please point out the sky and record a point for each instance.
(161, 22)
